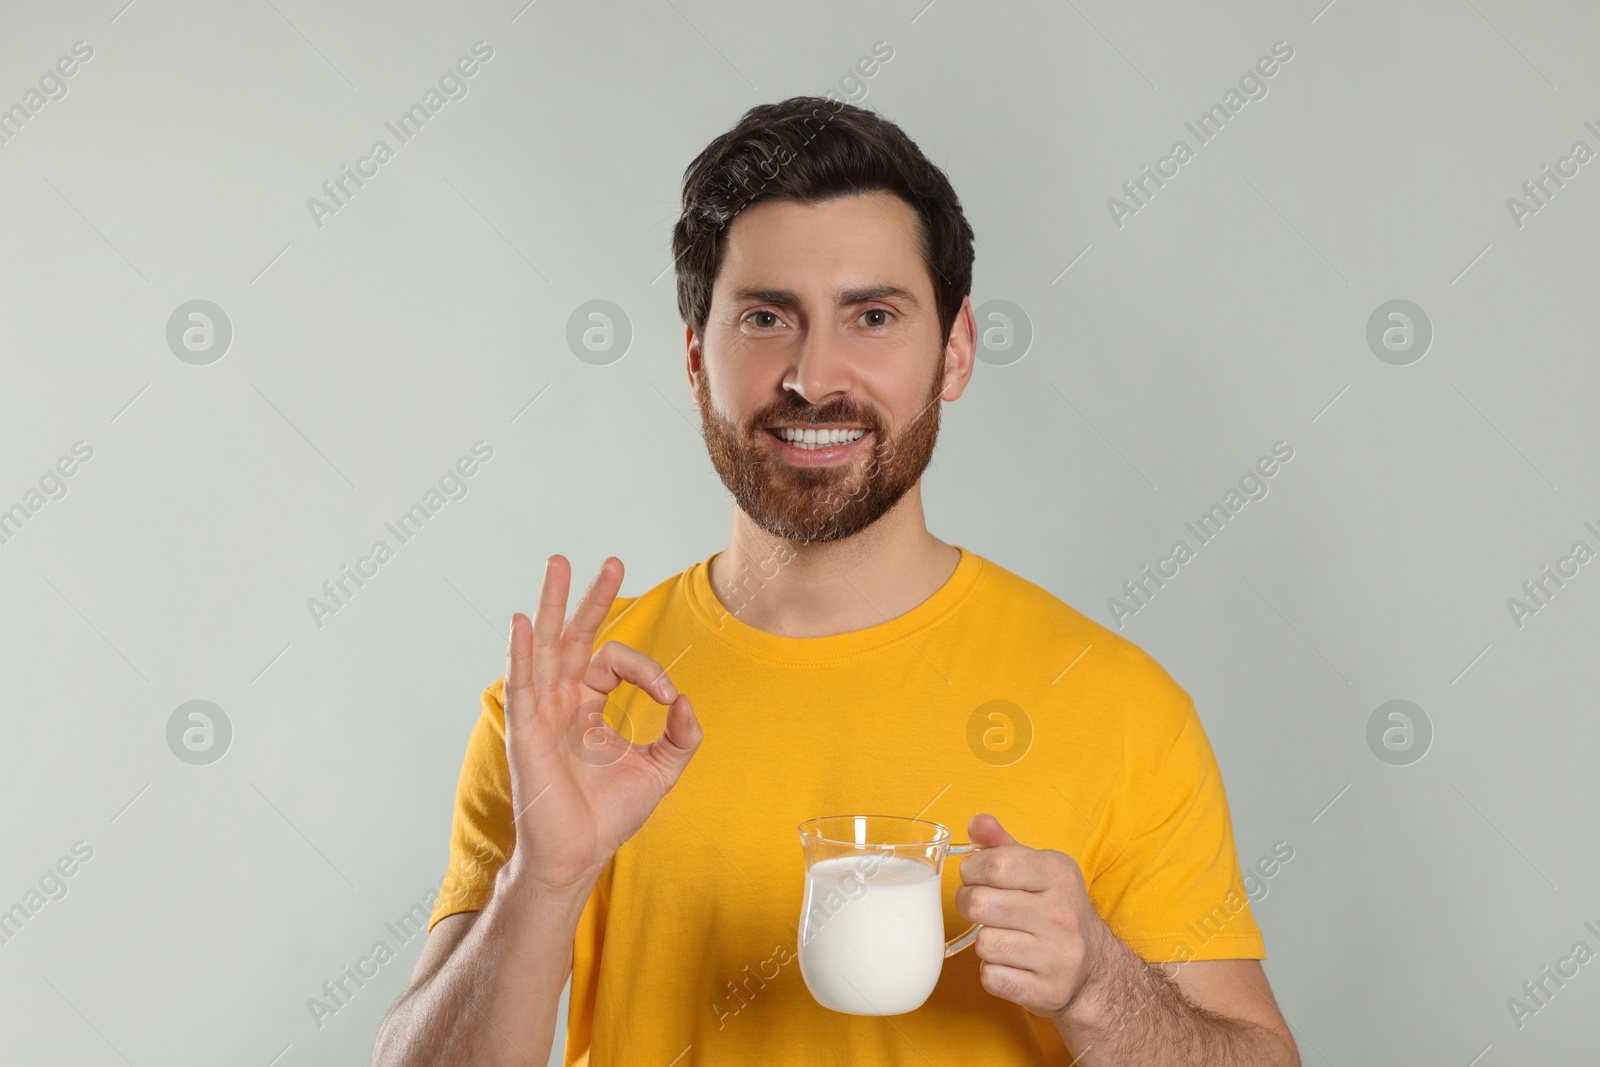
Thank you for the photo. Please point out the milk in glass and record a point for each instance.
(871, 933)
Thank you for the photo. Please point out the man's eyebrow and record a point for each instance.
(846, 297)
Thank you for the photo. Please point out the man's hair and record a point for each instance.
(810, 149)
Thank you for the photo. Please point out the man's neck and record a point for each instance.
(818, 589)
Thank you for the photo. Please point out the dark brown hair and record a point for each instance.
(811, 149)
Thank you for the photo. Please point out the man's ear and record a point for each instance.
(692, 362)
(960, 351)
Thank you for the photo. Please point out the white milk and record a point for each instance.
(871, 938)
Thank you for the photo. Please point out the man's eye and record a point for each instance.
(885, 312)
(754, 315)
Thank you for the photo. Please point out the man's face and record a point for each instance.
(822, 319)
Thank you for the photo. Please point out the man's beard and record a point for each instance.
(815, 504)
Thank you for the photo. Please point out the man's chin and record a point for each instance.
(799, 524)
(809, 487)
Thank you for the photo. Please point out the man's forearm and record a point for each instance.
(494, 1000)
(1130, 1015)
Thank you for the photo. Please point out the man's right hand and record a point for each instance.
(578, 788)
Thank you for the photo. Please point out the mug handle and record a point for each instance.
(955, 945)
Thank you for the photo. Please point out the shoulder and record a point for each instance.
(1101, 665)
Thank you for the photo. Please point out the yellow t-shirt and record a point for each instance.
(687, 947)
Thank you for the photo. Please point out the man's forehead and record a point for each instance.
(847, 250)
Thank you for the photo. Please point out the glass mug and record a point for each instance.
(872, 920)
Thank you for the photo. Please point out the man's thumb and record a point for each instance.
(986, 830)
(680, 736)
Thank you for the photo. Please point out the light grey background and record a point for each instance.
(369, 353)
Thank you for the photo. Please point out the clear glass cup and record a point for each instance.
(872, 921)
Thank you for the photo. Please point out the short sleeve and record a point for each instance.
(1173, 890)
(481, 831)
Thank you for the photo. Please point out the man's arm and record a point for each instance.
(487, 986)
(1211, 1012)
(1043, 946)
(486, 991)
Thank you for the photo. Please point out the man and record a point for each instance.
(843, 660)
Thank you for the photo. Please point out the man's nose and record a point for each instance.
(822, 367)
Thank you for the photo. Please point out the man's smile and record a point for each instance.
(816, 444)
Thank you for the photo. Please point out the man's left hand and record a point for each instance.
(1041, 939)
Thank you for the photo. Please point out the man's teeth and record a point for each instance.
(811, 440)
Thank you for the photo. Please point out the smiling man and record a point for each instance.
(842, 660)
